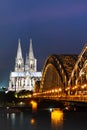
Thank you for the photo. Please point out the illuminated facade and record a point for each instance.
(24, 75)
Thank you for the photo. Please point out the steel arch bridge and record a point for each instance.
(65, 75)
(68, 72)
(56, 71)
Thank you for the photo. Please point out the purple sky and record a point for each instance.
(56, 27)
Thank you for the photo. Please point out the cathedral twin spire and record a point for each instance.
(31, 54)
(30, 64)
(19, 51)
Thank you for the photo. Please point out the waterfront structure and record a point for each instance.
(64, 78)
(25, 74)
(65, 74)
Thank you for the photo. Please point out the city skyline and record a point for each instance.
(56, 27)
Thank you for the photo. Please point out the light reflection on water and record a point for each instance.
(34, 106)
(13, 118)
(57, 119)
(49, 119)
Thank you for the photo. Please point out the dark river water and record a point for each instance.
(44, 119)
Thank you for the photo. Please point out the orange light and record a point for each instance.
(57, 117)
(52, 91)
(56, 90)
(34, 105)
(60, 89)
(67, 88)
(32, 121)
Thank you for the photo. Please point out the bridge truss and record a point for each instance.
(65, 75)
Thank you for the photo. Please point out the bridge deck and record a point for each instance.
(72, 98)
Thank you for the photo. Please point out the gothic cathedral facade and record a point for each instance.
(25, 75)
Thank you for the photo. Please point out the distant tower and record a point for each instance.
(31, 62)
(19, 62)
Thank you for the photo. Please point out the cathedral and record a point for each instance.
(25, 73)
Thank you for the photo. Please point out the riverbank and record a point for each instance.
(43, 104)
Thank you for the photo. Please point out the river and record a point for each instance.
(43, 119)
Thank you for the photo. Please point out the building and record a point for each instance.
(25, 74)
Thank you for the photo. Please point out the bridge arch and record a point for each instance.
(68, 72)
(54, 74)
(78, 76)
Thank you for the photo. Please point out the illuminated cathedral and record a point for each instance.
(25, 74)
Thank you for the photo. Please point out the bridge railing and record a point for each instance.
(76, 98)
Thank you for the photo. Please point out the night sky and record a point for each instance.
(55, 26)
